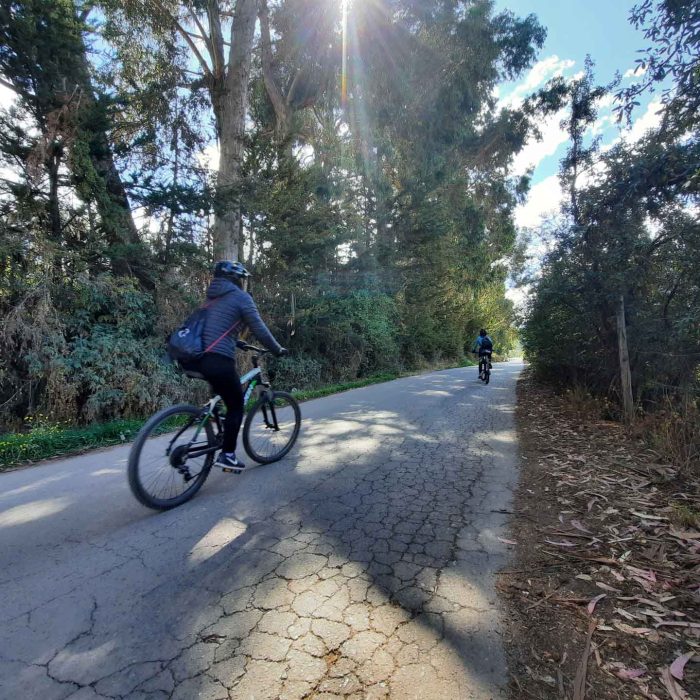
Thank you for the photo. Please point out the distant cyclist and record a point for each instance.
(483, 346)
(230, 309)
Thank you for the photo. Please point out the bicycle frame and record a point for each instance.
(249, 380)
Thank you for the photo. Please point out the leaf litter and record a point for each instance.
(603, 598)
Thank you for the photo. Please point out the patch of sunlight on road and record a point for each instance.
(432, 392)
(69, 663)
(326, 443)
(35, 510)
(507, 436)
(339, 450)
(32, 487)
(106, 472)
(381, 429)
(510, 410)
(425, 438)
(325, 431)
(223, 533)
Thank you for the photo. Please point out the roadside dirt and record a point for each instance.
(603, 595)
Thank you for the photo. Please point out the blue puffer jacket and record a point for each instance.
(231, 309)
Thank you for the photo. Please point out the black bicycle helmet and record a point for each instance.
(231, 269)
(483, 332)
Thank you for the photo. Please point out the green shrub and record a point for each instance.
(298, 372)
(350, 336)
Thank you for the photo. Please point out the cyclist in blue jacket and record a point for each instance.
(231, 308)
(483, 346)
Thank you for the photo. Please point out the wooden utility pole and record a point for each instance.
(625, 373)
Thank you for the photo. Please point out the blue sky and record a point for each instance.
(575, 28)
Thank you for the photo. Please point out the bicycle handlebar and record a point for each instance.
(241, 345)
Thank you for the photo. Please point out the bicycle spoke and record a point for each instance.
(271, 429)
(162, 474)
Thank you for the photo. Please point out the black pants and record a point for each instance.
(220, 372)
(486, 355)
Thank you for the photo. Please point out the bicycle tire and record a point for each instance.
(149, 429)
(487, 376)
(258, 407)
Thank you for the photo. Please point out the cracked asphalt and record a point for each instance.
(361, 566)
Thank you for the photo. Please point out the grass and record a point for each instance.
(41, 443)
(308, 394)
(45, 442)
(684, 516)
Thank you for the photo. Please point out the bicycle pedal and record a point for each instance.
(230, 470)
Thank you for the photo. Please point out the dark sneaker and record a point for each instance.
(229, 464)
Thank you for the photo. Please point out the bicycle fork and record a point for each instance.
(270, 415)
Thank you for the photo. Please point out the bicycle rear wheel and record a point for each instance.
(271, 427)
(166, 467)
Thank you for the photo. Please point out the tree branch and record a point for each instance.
(186, 36)
(201, 29)
(217, 37)
(279, 104)
(85, 12)
(293, 86)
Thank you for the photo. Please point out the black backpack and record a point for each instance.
(186, 344)
(486, 343)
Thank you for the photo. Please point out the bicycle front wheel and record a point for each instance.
(271, 427)
(169, 460)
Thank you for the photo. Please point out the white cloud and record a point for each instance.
(519, 295)
(539, 74)
(543, 201)
(537, 149)
(7, 97)
(649, 120)
(634, 72)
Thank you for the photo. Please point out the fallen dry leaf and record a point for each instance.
(593, 603)
(628, 674)
(580, 680)
(646, 516)
(564, 543)
(605, 587)
(674, 690)
(676, 668)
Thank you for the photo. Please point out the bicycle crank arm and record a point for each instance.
(202, 451)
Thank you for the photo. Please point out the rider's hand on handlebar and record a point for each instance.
(282, 352)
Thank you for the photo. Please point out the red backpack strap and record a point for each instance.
(223, 335)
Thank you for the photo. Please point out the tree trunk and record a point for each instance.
(53, 165)
(231, 127)
(625, 373)
(114, 209)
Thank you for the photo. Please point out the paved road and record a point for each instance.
(361, 566)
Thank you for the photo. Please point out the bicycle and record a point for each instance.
(484, 367)
(181, 441)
